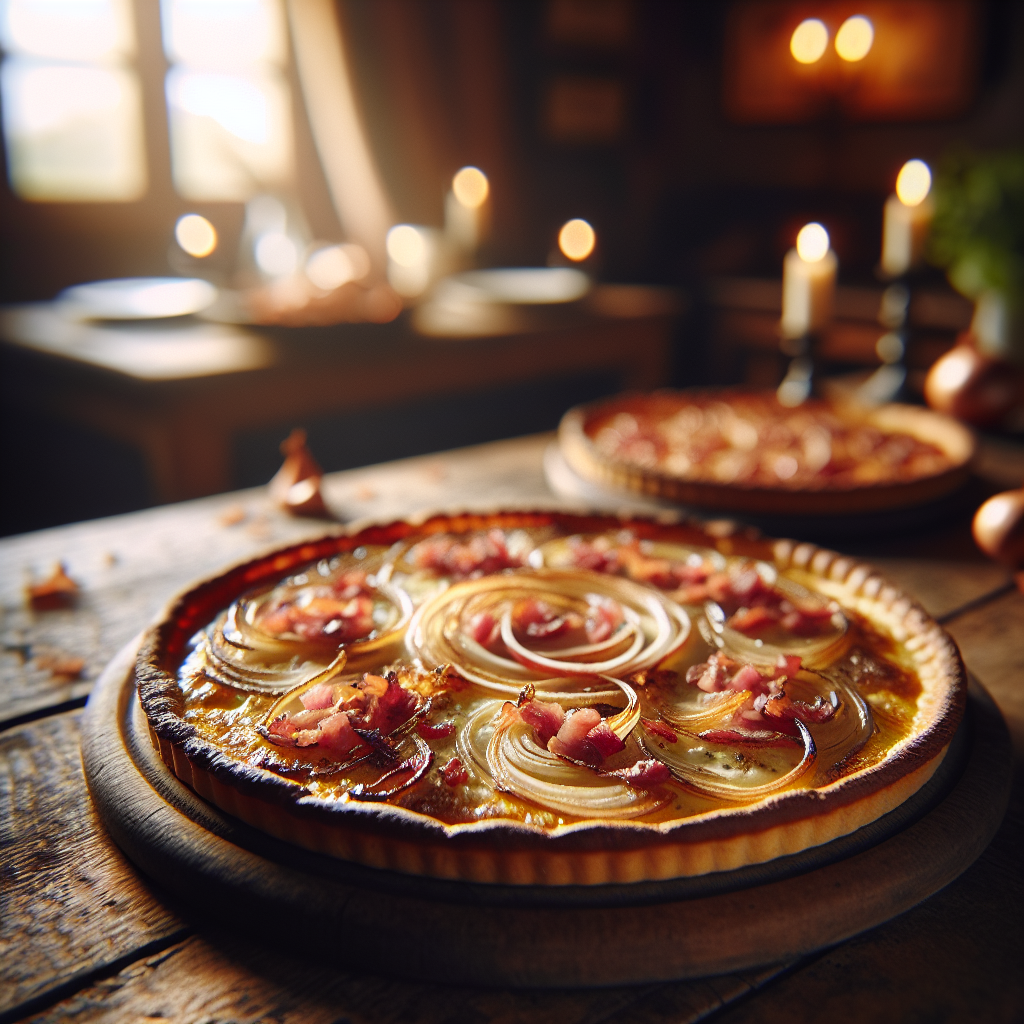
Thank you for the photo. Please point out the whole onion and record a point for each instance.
(999, 527)
(972, 387)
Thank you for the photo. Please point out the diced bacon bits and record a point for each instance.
(538, 620)
(339, 612)
(478, 555)
(655, 727)
(454, 772)
(644, 774)
(435, 730)
(332, 712)
(544, 717)
(604, 617)
(484, 628)
(597, 555)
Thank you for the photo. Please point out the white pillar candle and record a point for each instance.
(908, 216)
(808, 283)
(467, 209)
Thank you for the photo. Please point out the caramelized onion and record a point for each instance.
(814, 650)
(651, 628)
(718, 770)
(238, 653)
(410, 771)
(519, 765)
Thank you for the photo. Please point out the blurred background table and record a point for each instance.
(194, 398)
(84, 937)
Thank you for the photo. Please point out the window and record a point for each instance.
(72, 103)
(72, 109)
(227, 99)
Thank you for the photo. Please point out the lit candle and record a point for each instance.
(808, 282)
(467, 209)
(908, 215)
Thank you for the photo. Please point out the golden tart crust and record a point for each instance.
(590, 852)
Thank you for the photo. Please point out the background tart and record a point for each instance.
(644, 458)
(534, 849)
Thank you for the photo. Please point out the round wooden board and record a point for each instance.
(229, 873)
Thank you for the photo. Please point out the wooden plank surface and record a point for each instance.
(73, 907)
(71, 903)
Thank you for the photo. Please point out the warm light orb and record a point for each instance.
(809, 40)
(913, 183)
(812, 242)
(576, 239)
(854, 38)
(196, 235)
(334, 265)
(406, 246)
(276, 254)
(471, 187)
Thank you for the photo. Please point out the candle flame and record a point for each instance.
(406, 246)
(471, 187)
(577, 239)
(812, 242)
(809, 41)
(913, 183)
(196, 235)
(854, 38)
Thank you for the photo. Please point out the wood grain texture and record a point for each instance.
(71, 903)
(942, 585)
(129, 566)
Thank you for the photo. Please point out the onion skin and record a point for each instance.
(999, 527)
(973, 387)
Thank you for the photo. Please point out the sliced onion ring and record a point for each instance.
(519, 765)
(708, 783)
(656, 628)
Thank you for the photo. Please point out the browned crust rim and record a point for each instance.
(161, 697)
(582, 455)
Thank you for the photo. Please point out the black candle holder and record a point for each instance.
(888, 382)
(801, 379)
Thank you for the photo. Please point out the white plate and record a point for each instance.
(137, 298)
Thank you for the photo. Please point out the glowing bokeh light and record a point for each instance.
(196, 235)
(809, 41)
(854, 38)
(576, 239)
(913, 183)
(276, 254)
(406, 246)
(812, 242)
(82, 30)
(334, 265)
(471, 187)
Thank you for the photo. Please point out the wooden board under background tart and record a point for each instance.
(649, 444)
(874, 693)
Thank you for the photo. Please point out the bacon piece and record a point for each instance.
(320, 696)
(605, 740)
(479, 555)
(572, 741)
(604, 619)
(544, 717)
(806, 620)
(484, 628)
(454, 772)
(644, 774)
(58, 591)
(787, 665)
(597, 555)
(754, 737)
(337, 737)
(658, 728)
(388, 704)
(750, 620)
(780, 706)
(321, 617)
(539, 621)
(435, 730)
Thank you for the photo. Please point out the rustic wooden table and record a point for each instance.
(83, 937)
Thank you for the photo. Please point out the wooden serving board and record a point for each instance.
(225, 873)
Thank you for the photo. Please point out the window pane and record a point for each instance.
(72, 132)
(230, 134)
(82, 30)
(223, 34)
